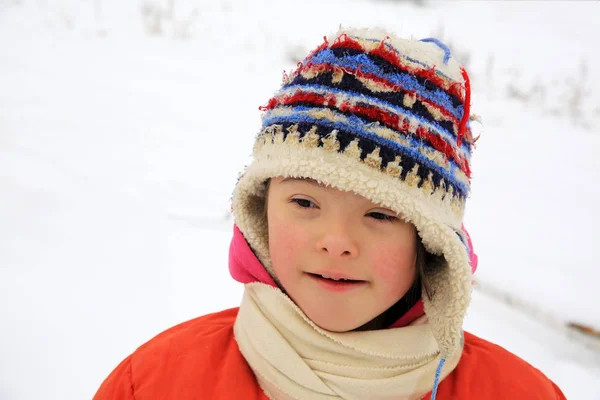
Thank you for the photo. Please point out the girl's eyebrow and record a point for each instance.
(307, 180)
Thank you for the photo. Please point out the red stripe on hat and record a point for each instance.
(343, 41)
(393, 58)
(388, 119)
(321, 68)
(441, 145)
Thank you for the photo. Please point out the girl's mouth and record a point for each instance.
(336, 284)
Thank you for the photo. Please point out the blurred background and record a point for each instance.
(124, 125)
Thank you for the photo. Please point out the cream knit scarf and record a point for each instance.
(293, 358)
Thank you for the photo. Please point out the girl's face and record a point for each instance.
(318, 235)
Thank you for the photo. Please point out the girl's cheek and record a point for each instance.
(286, 241)
(394, 264)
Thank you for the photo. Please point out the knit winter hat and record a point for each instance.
(385, 118)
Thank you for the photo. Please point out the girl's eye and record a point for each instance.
(382, 217)
(303, 203)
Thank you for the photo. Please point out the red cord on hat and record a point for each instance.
(467, 108)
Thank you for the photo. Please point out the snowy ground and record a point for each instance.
(119, 151)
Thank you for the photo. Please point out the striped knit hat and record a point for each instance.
(386, 118)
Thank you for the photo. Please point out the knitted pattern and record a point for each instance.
(367, 100)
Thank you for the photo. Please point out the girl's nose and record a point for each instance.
(338, 241)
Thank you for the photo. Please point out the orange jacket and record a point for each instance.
(200, 359)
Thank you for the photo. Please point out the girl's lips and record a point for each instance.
(336, 286)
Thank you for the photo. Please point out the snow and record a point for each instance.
(119, 151)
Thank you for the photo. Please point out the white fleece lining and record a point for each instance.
(437, 228)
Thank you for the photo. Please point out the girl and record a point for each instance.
(348, 237)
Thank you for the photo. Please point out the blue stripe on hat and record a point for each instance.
(354, 127)
(407, 81)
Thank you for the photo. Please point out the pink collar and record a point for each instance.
(244, 266)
